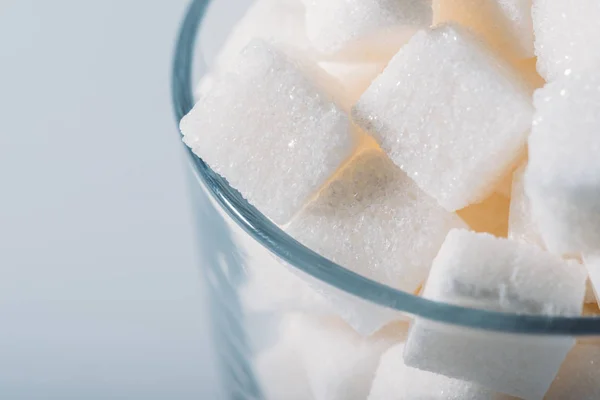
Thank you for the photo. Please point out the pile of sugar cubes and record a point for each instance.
(445, 148)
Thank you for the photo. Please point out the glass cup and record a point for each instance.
(234, 235)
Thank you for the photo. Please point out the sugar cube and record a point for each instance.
(579, 375)
(203, 86)
(394, 380)
(372, 219)
(481, 271)
(504, 187)
(273, 286)
(355, 77)
(567, 36)
(364, 29)
(274, 21)
(491, 215)
(562, 177)
(521, 226)
(450, 114)
(340, 364)
(505, 24)
(270, 130)
(281, 374)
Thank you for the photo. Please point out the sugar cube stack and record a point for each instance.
(445, 148)
(451, 114)
(340, 364)
(394, 380)
(567, 36)
(579, 375)
(270, 131)
(506, 25)
(364, 29)
(372, 219)
(562, 180)
(479, 270)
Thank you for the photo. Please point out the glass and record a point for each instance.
(224, 262)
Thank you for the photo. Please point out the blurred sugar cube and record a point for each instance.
(394, 380)
(281, 374)
(567, 36)
(372, 219)
(450, 114)
(273, 286)
(506, 25)
(481, 271)
(354, 77)
(562, 179)
(270, 130)
(491, 215)
(340, 364)
(521, 226)
(203, 86)
(364, 29)
(579, 375)
(274, 21)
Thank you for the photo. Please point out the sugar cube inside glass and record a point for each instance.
(274, 21)
(270, 130)
(496, 274)
(394, 380)
(562, 179)
(372, 219)
(364, 29)
(450, 113)
(339, 363)
(506, 25)
(567, 36)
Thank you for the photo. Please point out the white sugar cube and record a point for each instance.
(505, 24)
(579, 375)
(203, 86)
(567, 36)
(279, 370)
(274, 287)
(481, 271)
(364, 29)
(270, 130)
(521, 226)
(274, 21)
(394, 380)
(372, 219)
(355, 77)
(491, 215)
(562, 177)
(504, 188)
(450, 114)
(340, 364)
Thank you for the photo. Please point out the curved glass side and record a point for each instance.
(288, 249)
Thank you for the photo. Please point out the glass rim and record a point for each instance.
(270, 236)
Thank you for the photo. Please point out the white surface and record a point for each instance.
(100, 296)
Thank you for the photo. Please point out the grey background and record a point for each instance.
(100, 295)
